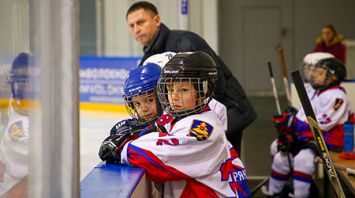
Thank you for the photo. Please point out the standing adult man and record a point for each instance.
(145, 26)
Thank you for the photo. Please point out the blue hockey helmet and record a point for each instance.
(20, 75)
(141, 80)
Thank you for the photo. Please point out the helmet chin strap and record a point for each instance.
(158, 105)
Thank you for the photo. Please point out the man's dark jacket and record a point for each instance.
(228, 90)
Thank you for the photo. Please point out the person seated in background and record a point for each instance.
(307, 66)
(189, 154)
(296, 153)
(330, 41)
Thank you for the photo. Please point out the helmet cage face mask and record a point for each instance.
(307, 70)
(23, 81)
(133, 111)
(199, 97)
(310, 61)
(24, 94)
(20, 89)
(328, 75)
(140, 89)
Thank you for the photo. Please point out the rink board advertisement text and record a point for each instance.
(102, 80)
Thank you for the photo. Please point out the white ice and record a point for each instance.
(95, 126)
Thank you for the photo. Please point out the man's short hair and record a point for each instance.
(142, 5)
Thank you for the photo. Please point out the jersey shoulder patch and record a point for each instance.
(201, 130)
(338, 103)
(16, 130)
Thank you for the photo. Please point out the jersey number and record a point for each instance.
(171, 142)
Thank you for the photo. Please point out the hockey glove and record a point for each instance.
(291, 110)
(110, 149)
(127, 126)
(285, 126)
(284, 122)
(285, 141)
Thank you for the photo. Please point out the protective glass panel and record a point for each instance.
(17, 97)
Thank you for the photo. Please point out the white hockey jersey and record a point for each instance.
(14, 150)
(194, 159)
(331, 108)
(221, 112)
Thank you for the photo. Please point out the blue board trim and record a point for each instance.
(111, 180)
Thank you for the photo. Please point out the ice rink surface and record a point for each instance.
(95, 126)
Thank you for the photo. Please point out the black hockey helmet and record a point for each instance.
(191, 64)
(198, 68)
(333, 67)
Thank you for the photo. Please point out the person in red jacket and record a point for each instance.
(330, 41)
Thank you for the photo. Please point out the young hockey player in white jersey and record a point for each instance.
(14, 145)
(307, 66)
(141, 103)
(190, 154)
(332, 108)
(219, 108)
(142, 82)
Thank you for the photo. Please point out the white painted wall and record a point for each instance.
(14, 23)
(350, 58)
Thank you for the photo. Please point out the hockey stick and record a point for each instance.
(274, 90)
(349, 171)
(317, 134)
(284, 75)
(256, 188)
(277, 103)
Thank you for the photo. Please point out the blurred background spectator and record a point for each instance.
(330, 41)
